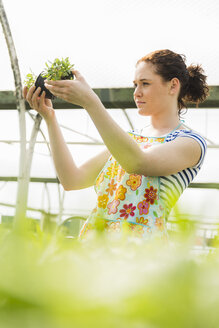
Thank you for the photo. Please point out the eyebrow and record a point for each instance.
(142, 80)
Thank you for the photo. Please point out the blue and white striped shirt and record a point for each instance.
(172, 186)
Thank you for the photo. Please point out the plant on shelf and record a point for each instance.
(59, 69)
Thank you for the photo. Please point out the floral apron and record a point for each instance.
(129, 201)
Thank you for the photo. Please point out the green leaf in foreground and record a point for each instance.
(50, 281)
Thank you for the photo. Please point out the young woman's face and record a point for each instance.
(151, 93)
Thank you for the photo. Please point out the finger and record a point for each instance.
(42, 99)
(60, 83)
(77, 74)
(35, 100)
(25, 91)
(56, 90)
(30, 94)
(58, 93)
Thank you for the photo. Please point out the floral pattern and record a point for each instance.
(142, 220)
(102, 201)
(160, 140)
(112, 187)
(150, 195)
(140, 139)
(113, 226)
(137, 229)
(113, 170)
(100, 179)
(120, 174)
(120, 193)
(130, 199)
(134, 181)
(127, 210)
(143, 207)
(113, 206)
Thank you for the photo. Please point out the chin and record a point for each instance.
(142, 112)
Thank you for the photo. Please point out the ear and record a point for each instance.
(174, 85)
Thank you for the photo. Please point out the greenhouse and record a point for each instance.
(50, 275)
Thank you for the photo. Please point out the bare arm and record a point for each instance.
(70, 176)
(170, 157)
(165, 159)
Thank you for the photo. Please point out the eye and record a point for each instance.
(145, 83)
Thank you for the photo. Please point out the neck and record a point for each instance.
(165, 121)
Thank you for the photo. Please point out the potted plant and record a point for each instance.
(56, 70)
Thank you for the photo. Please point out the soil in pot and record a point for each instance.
(68, 77)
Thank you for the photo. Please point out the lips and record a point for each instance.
(140, 102)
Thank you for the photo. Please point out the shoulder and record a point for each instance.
(189, 133)
(193, 139)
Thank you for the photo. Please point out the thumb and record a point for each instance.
(77, 74)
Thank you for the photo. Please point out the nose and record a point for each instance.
(137, 92)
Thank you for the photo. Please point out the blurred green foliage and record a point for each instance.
(48, 280)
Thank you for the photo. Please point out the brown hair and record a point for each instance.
(169, 64)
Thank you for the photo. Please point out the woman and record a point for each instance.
(141, 174)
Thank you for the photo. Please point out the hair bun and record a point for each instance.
(197, 88)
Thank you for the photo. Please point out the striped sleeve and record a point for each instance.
(200, 140)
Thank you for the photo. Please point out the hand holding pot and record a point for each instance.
(75, 91)
(41, 104)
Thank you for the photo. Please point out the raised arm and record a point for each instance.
(176, 155)
(70, 176)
